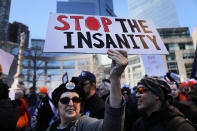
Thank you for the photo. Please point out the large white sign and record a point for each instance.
(97, 34)
(154, 65)
(6, 60)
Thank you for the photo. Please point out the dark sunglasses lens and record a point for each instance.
(65, 100)
(76, 99)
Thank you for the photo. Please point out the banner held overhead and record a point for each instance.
(97, 34)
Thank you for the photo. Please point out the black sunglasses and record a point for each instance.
(66, 100)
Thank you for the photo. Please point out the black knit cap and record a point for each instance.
(157, 86)
(72, 86)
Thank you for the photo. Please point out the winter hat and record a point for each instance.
(66, 87)
(184, 84)
(86, 75)
(43, 90)
(157, 86)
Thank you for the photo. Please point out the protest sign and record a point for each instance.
(154, 65)
(6, 60)
(97, 34)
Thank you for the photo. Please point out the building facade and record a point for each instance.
(4, 17)
(181, 51)
(47, 69)
(161, 12)
(14, 31)
(194, 37)
(87, 7)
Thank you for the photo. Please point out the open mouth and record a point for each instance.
(70, 110)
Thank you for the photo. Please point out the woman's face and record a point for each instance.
(69, 105)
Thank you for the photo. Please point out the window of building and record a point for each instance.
(53, 64)
(173, 46)
(182, 46)
(136, 68)
(134, 61)
(172, 65)
(189, 46)
(137, 75)
(171, 56)
(188, 55)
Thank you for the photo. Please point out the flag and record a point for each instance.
(194, 67)
(65, 78)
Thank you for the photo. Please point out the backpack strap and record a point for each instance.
(176, 122)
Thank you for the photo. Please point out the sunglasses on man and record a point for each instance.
(140, 90)
(66, 100)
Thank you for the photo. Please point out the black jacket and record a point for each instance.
(32, 99)
(45, 114)
(131, 114)
(163, 120)
(95, 107)
(9, 114)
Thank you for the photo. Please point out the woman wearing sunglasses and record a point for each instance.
(68, 97)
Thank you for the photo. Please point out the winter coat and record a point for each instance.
(45, 114)
(9, 114)
(168, 118)
(113, 121)
(94, 107)
(23, 120)
(131, 114)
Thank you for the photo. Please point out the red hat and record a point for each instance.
(183, 84)
(191, 82)
(43, 90)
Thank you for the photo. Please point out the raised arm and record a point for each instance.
(119, 63)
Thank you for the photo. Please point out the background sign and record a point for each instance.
(154, 65)
(6, 60)
(97, 34)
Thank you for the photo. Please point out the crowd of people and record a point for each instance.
(154, 104)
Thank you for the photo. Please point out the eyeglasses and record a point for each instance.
(66, 100)
(141, 90)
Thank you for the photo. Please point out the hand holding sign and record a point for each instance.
(119, 62)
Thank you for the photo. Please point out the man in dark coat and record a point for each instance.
(44, 111)
(93, 106)
(32, 101)
(157, 114)
(9, 113)
(131, 111)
